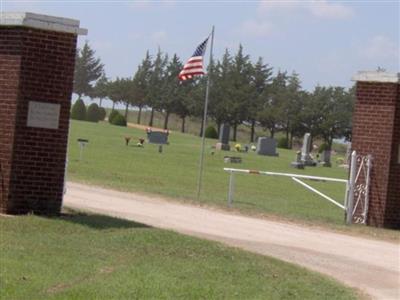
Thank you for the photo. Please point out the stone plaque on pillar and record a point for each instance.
(43, 115)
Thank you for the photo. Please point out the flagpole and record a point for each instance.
(199, 183)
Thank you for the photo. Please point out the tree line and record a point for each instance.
(242, 92)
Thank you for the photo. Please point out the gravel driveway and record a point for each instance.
(369, 265)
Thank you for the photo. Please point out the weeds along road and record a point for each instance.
(369, 265)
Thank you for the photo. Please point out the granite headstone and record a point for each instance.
(266, 146)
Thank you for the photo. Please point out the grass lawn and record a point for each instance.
(81, 256)
(174, 173)
(108, 162)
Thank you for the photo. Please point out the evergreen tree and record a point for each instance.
(114, 91)
(336, 109)
(291, 104)
(88, 69)
(242, 90)
(173, 91)
(141, 84)
(260, 80)
(100, 89)
(271, 114)
(221, 90)
(155, 93)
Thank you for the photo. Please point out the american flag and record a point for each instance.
(194, 65)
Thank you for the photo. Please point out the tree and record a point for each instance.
(100, 89)
(113, 91)
(271, 114)
(336, 109)
(122, 91)
(260, 80)
(155, 91)
(242, 90)
(141, 84)
(87, 70)
(291, 104)
(220, 91)
(173, 95)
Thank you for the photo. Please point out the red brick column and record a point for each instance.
(36, 74)
(376, 131)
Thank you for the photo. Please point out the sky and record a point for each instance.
(325, 42)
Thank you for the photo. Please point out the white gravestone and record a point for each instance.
(43, 115)
(305, 151)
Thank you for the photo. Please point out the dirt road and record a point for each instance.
(370, 265)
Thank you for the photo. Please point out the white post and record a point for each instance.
(367, 182)
(352, 179)
(231, 188)
(80, 151)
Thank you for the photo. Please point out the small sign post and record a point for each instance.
(82, 144)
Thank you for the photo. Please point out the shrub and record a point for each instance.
(211, 133)
(323, 147)
(283, 143)
(119, 120)
(102, 114)
(78, 110)
(92, 114)
(112, 115)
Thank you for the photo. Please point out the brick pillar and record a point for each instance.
(37, 59)
(376, 131)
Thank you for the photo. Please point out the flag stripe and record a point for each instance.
(194, 65)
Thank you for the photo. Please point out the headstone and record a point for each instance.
(266, 146)
(298, 164)
(305, 151)
(224, 134)
(326, 158)
(223, 143)
(157, 137)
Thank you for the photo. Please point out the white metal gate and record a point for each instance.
(357, 187)
(357, 197)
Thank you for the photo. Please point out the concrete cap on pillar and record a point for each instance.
(376, 76)
(44, 22)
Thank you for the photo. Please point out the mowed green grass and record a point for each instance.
(174, 173)
(81, 256)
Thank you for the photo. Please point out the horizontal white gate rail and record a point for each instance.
(348, 206)
(295, 177)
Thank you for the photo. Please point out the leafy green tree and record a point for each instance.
(88, 69)
(100, 89)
